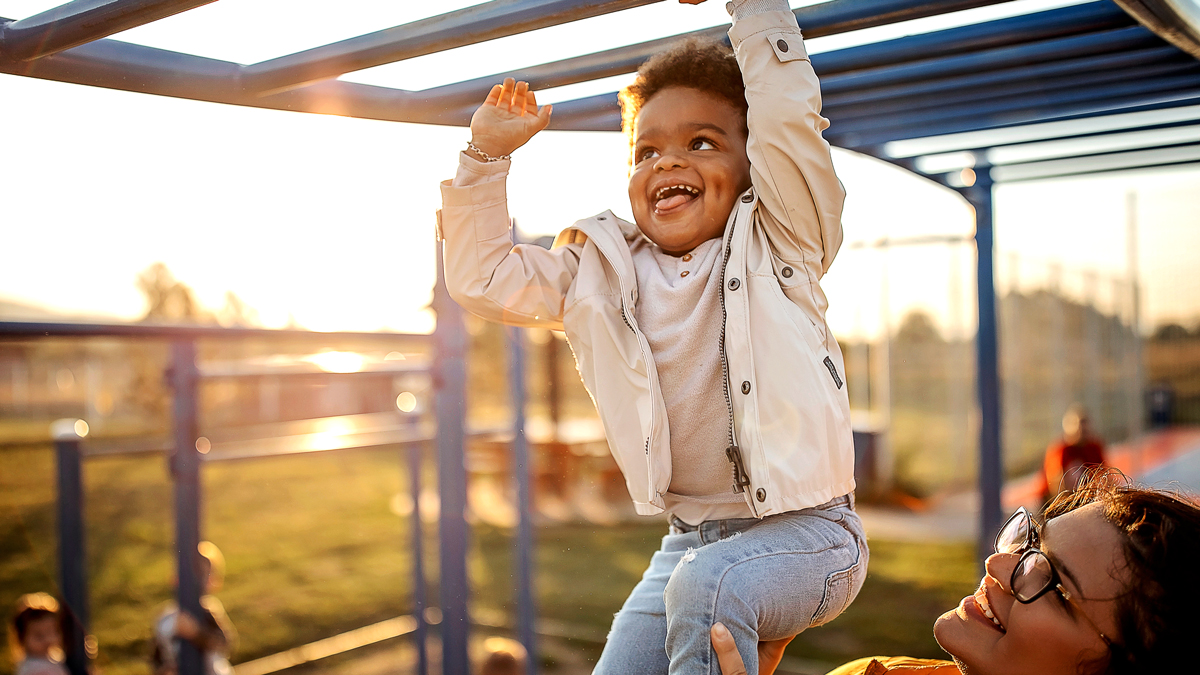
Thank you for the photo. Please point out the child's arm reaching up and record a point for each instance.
(791, 167)
(486, 274)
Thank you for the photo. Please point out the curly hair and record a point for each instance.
(697, 63)
(1161, 531)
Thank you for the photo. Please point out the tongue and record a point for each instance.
(671, 202)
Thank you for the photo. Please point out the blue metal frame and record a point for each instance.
(987, 352)
(81, 22)
(185, 460)
(72, 558)
(450, 378)
(185, 468)
(467, 26)
(522, 470)
(1067, 64)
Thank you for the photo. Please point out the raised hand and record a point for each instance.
(508, 118)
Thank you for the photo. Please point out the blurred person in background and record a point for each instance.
(35, 636)
(213, 634)
(1069, 458)
(1103, 584)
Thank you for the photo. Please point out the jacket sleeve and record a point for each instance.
(800, 196)
(523, 285)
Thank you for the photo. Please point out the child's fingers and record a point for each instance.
(506, 95)
(544, 116)
(493, 97)
(531, 103)
(520, 98)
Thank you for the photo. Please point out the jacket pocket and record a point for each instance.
(804, 325)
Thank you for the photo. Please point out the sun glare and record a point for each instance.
(337, 362)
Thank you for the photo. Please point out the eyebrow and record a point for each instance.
(691, 126)
(1063, 570)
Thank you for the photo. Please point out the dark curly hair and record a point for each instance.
(698, 63)
(1161, 531)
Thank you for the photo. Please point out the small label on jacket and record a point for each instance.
(833, 371)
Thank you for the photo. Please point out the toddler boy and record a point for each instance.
(699, 331)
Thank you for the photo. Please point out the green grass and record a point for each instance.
(313, 549)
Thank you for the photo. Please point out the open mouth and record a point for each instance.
(674, 197)
(981, 599)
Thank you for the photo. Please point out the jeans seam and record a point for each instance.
(721, 582)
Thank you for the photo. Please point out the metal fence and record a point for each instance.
(190, 448)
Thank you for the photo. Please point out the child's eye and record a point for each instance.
(702, 144)
(645, 154)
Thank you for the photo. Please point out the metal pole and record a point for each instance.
(185, 468)
(991, 476)
(526, 608)
(415, 453)
(1137, 402)
(72, 561)
(450, 381)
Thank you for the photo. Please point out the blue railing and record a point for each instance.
(189, 450)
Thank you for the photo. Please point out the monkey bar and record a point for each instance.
(1079, 88)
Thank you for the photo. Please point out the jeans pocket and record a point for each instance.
(841, 588)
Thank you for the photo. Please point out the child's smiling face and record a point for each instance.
(689, 167)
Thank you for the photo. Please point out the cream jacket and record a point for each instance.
(788, 409)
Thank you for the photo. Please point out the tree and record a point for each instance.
(918, 327)
(167, 298)
(236, 312)
(1170, 331)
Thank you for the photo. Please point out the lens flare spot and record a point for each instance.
(406, 401)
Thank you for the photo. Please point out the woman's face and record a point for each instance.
(1047, 636)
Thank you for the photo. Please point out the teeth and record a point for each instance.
(987, 609)
(659, 194)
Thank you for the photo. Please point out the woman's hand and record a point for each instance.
(508, 118)
(769, 653)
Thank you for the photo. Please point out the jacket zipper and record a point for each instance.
(741, 479)
(629, 325)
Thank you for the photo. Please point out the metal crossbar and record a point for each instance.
(1051, 74)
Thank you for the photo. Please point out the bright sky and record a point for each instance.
(330, 220)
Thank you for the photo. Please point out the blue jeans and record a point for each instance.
(764, 579)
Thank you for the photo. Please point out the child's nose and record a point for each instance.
(670, 160)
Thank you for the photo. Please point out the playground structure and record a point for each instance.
(1075, 90)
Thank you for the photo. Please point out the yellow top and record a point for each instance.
(896, 665)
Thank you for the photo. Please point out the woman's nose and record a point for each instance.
(999, 566)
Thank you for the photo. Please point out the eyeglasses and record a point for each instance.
(1034, 575)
